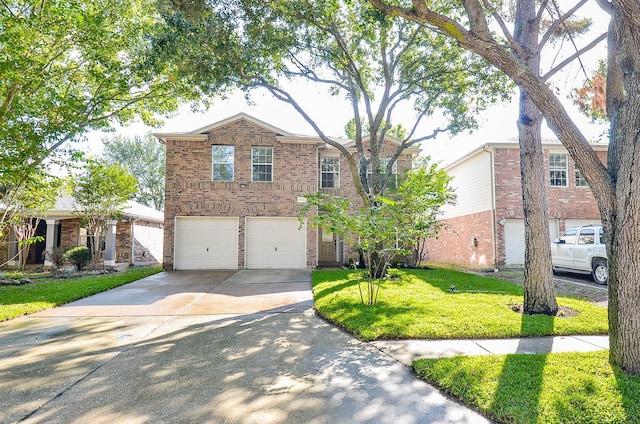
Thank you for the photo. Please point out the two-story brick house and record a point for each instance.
(486, 226)
(234, 189)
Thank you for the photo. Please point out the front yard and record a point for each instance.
(422, 304)
(46, 293)
(541, 388)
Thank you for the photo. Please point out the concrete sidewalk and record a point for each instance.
(406, 351)
(166, 349)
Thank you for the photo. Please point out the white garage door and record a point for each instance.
(206, 243)
(275, 243)
(514, 241)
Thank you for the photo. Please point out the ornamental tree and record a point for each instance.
(101, 192)
(394, 225)
(29, 202)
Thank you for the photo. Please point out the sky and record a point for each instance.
(497, 124)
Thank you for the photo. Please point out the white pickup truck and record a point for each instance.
(581, 250)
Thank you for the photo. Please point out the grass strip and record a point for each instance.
(577, 388)
(420, 304)
(46, 293)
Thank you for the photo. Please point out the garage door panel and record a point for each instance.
(514, 243)
(275, 243)
(206, 243)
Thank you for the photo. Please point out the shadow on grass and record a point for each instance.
(521, 379)
(627, 386)
(445, 279)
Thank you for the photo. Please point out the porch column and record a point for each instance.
(50, 241)
(110, 245)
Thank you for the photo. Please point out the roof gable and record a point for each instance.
(238, 117)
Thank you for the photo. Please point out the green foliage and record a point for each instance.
(391, 226)
(143, 158)
(56, 256)
(556, 388)
(377, 63)
(419, 304)
(72, 66)
(79, 256)
(423, 192)
(101, 193)
(48, 293)
(26, 203)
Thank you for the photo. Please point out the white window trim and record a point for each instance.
(336, 184)
(566, 169)
(252, 164)
(233, 163)
(579, 177)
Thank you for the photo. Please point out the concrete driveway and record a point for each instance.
(205, 347)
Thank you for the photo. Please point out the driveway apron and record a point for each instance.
(205, 347)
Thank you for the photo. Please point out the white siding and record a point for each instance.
(473, 186)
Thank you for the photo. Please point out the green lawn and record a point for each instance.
(553, 388)
(47, 293)
(420, 304)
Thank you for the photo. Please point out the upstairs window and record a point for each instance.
(262, 164)
(392, 182)
(580, 180)
(222, 163)
(558, 170)
(330, 172)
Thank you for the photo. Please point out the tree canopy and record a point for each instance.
(383, 66)
(144, 158)
(72, 66)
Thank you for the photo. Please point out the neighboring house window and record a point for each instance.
(393, 180)
(262, 164)
(222, 163)
(330, 172)
(580, 180)
(558, 169)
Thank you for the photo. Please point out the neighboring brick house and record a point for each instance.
(486, 226)
(135, 238)
(234, 189)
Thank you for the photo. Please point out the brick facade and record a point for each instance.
(465, 240)
(190, 191)
(128, 249)
(455, 245)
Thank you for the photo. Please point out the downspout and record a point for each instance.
(489, 150)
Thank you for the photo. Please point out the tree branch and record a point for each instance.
(574, 56)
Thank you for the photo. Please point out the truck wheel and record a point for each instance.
(600, 272)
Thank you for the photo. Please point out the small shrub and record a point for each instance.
(56, 256)
(78, 256)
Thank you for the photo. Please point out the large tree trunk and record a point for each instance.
(616, 188)
(622, 224)
(539, 294)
